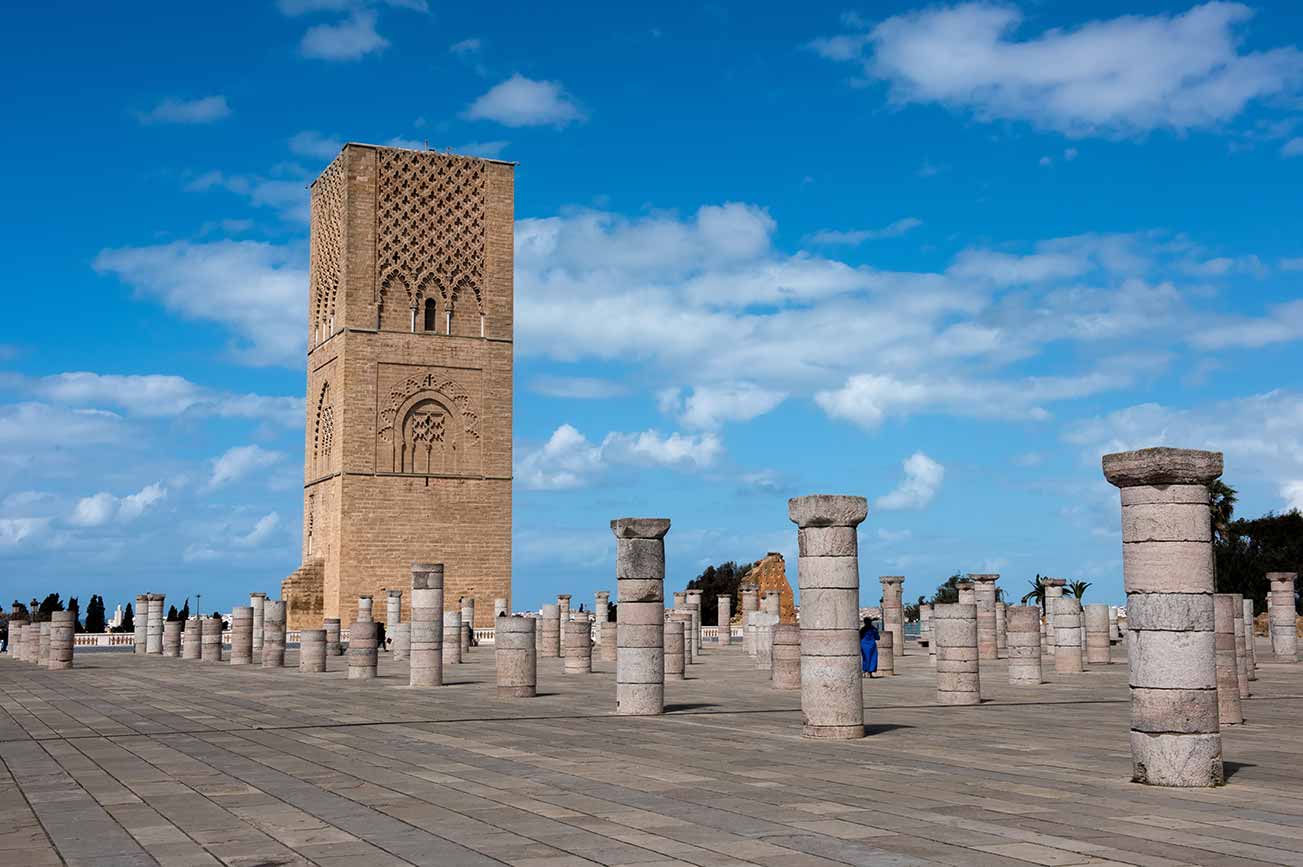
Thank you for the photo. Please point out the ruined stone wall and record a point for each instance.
(771, 574)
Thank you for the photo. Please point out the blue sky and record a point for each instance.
(941, 256)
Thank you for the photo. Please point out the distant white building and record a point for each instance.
(116, 620)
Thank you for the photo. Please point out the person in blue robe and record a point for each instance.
(868, 648)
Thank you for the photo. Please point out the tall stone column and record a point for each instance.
(785, 672)
(1282, 619)
(62, 627)
(334, 644)
(1241, 648)
(467, 623)
(640, 593)
(694, 605)
(610, 649)
(828, 574)
(563, 617)
(154, 626)
(312, 650)
(1053, 590)
(1251, 653)
(256, 602)
(192, 639)
(601, 611)
(763, 624)
(925, 627)
(499, 609)
(579, 647)
(172, 638)
(1097, 646)
(210, 638)
(452, 635)
(967, 592)
(551, 623)
(242, 635)
(954, 627)
(1167, 566)
(1001, 637)
(893, 612)
(273, 633)
(393, 609)
(1024, 638)
(984, 597)
(426, 668)
(684, 616)
(724, 608)
(140, 621)
(516, 657)
(363, 656)
(675, 654)
(1229, 710)
(401, 645)
(1067, 635)
(750, 604)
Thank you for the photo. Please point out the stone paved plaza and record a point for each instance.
(130, 760)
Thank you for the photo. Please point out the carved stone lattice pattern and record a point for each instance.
(430, 226)
(323, 433)
(327, 244)
(430, 382)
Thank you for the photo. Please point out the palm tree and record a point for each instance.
(1078, 588)
(1037, 592)
(1222, 503)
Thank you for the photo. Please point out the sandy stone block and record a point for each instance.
(634, 590)
(1164, 522)
(1185, 711)
(824, 608)
(827, 542)
(827, 510)
(1178, 760)
(640, 635)
(958, 681)
(1167, 567)
(640, 528)
(1170, 611)
(1141, 495)
(830, 642)
(638, 560)
(1162, 466)
(837, 573)
(641, 613)
(640, 698)
(1172, 660)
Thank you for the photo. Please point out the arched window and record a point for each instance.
(430, 313)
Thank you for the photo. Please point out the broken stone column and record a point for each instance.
(1053, 590)
(333, 645)
(551, 623)
(452, 630)
(1241, 648)
(1229, 711)
(32, 640)
(925, 625)
(1097, 645)
(1167, 566)
(192, 639)
(172, 638)
(154, 625)
(467, 623)
(500, 608)
(1024, 640)
(967, 592)
(675, 643)
(893, 613)
(1114, 632)
(763, 624)
(684, 616)
(832, 691)
(785, 672)
(1282, 619)
(563, 617)
(312, 650)
(516, 656)
(954, 628)
(610, 650)
(140, 622)
(601, 611)
(242, 635)
(17, 646)
(210, 638)
(365, 609)
(363, 655)
(43, 645)
(984, 598)
(256, 601)
(771, 602)
(1001, 638)
(579, 647)
(1067, 635)
(62, 628)
(750, 604)
(401, 641)
(273, 633)
(393, 611)
(426, 668)
(1250, 650)
(886, 658)
(694, 605)
(640, 594)
(724, 609)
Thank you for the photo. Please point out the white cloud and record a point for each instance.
(238, 462)
(163, 396)
(1292, 148)
(652, 449)
(466, 46)
(134, 505)
(14, 531)
(261, 531)
(489, 150)
(310, 143)
(923, 477)
(859, 236)
(208, 109)
(712, 405)
(286, 194)
(34, 425)
(566, 460)
(521, 101)
(1292, 493)
(253, 288)
(1283, 323)
(569, 460)
(98, 509)
(577, 387)
(1120, 77)
(352, 38)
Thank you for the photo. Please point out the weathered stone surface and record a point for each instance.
(1023, 630)
(426, 666)
(1177, 760)
(273, 633)
(579, 647)
(827, 510)
(954, 627)
(515, 657)
(312, 650)
(674, 650)
(640, 528)
(640, 578)
(1171, 612)
(62, 627)
(211, 639)
(363, 659)
(1162, 466)
(452, 630)
(242, 635)
(1097, 643)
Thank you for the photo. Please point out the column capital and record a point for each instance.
(983, 579)
(1161, 466)
(640, 528)
(891, 579)
(827, 510)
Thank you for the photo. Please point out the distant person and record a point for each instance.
(470, 632)
(380, 636)
(868, 648)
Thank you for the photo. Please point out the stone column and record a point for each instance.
(763, 624)
(61, 640)
(750, 603)
(551, 623)
(426, 668)
(954, 628)
(402, 641)
(785, 673)
(1024, 638)
(967, 592)
(516, 657)
(242, 635)
(210, 637)
(365, 609)
(1067, 635)
(16, 650)
(363, 656)
(1282, 619)
(1053, 590)
(893, 613)
(610, 650)
(771, 602)
(273, 633)
(312, 650)
(640, 594)
(467, 623)
(601, 611)
(499, 610)
(192, 639)
(925, 627)
(256, 601)
(43, 645)
(32, 641)
(684, 616)
(333, 645)
(1241, 649)
(1229, 711)
(984, 596)
(563, 617)
(886, 656)
(724, 607)
(1001, 638)
(393, 610)
(579, 647)
(1251, 652)
(694, 605)
(1167, 566)
(140, 621)
(172, 638)
(1097, 646)
(1114, 633)
(675, 654)
(452, 635)
(832, 691)
(154, 626)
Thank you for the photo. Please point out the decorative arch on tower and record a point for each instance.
(323, 433)
(428, 426)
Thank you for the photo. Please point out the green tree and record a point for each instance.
(1221, 501)
(95, 614)
(75, 607)
(128, 623)
(172, 613)
(948, 592)
(1252, 548)
(1078, 588)
(184, 613)
(1037, 592)
(715, 581)
(47, 607)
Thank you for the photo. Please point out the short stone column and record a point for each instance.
(1241, 648)
(43, 645)
(785, 672)
(563, 617)
(401, 639)
(1167, 567)
(1282, 619)
(365, 609)
(750, 604)
(363, 655)
(452, 634)
(32, 641)
(242, 635)
(551, 631)
(1097, 646)
(1024, 638)
(312, 650)
(675, 654)
(500, 609)
(1114, 631)
(1250, 648)
(1001, 637)
(1229, 711)
(210, 637)
(967, 592)
(172, 638)
(893, 613)
(192, 639)
(886, 656)
(954, 628)
(426, 668)
(694, 605)
(17, 648)
(832, 690)
(273, 633)
(256, 602)
(579, 647)
(154, 625)
(763, 624)
(925, 626)
(515, 656)
(684, 616)
(334, 647)
(601, 611)
(724, 611)
(771, 602)
(1067, 635)
(640, 612)
(467, 623)
(62, 627)
(610, 650)
(140, 622)
(393, 610)
(984, 597)
(1053, 590)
